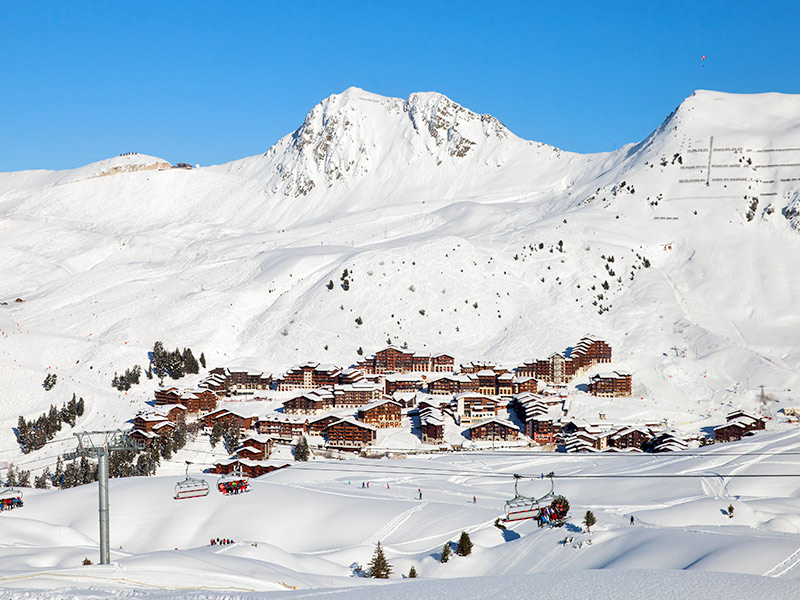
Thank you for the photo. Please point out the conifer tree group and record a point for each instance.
(176, 364)
(127, 379)
(33, 435)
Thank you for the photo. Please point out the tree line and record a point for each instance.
(34, 434)
(127, 463)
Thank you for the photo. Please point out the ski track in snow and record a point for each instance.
(394, 524)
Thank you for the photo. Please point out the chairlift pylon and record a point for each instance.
(520, 507)
(10, 499)
(234, 482)
(190, 487)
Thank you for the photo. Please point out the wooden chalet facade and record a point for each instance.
(354, 395)
(542, 430)
(473, 407)
(281, 426)
(442, 363)
(349, 434)
(256, 447)
(739, 423)
(381, 414)
(249, 468)
(396, 360)
(171, 395)
(195, 401)
(310, 403)
(318, 424)
(453, 384)
(630, 437)
(431, 425)
(472, 368)
(520, 385)
(309, 376)
(232, 417)
(243, 380)
(493, 430)
(402, 382)
(610, 385)
(559, 369)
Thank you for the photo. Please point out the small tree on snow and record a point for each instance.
(446, 552)
(379, 567)
(301, 451)
(730, 511)
(412, 573)
(464, 545)
(589, 520)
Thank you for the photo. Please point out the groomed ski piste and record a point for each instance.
(312, 525)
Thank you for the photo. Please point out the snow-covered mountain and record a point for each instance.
(457, 235)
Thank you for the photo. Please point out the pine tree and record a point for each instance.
(24, 479)
(79, 407)
(301, 451)
(412, 573)
(231, 435)
(24, 434)
(202, 360)
(730, 511)
(166, 449)
(464, 545)
(58, 476)
(379, 567)
(447, 551)
(176, 370)
(190, 364)
(158, 359)
(216, 434)
(589, 520)
(42, 481)
(11, 476)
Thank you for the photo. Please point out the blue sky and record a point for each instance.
(208, 82)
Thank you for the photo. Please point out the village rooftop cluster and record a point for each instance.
(482, 404)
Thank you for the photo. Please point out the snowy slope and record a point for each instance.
(438, 214)
(310, 525)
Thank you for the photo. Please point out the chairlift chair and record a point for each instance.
(234, 482)
(10, 499)
(520, 507)
(190, 487)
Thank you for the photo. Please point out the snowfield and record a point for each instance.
(459, 237)
(311, 525)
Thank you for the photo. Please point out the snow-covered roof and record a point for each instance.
(378, 403)
(495, 420)
(353, 421)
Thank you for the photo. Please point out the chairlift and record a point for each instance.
(520, 507)
(190, 487)
(233, 483)
(10, 499)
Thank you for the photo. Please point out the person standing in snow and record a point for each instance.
(420, 493)
(474, 499)
(631, 519)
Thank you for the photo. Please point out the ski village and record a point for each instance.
(409, 344)
(399, 402)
